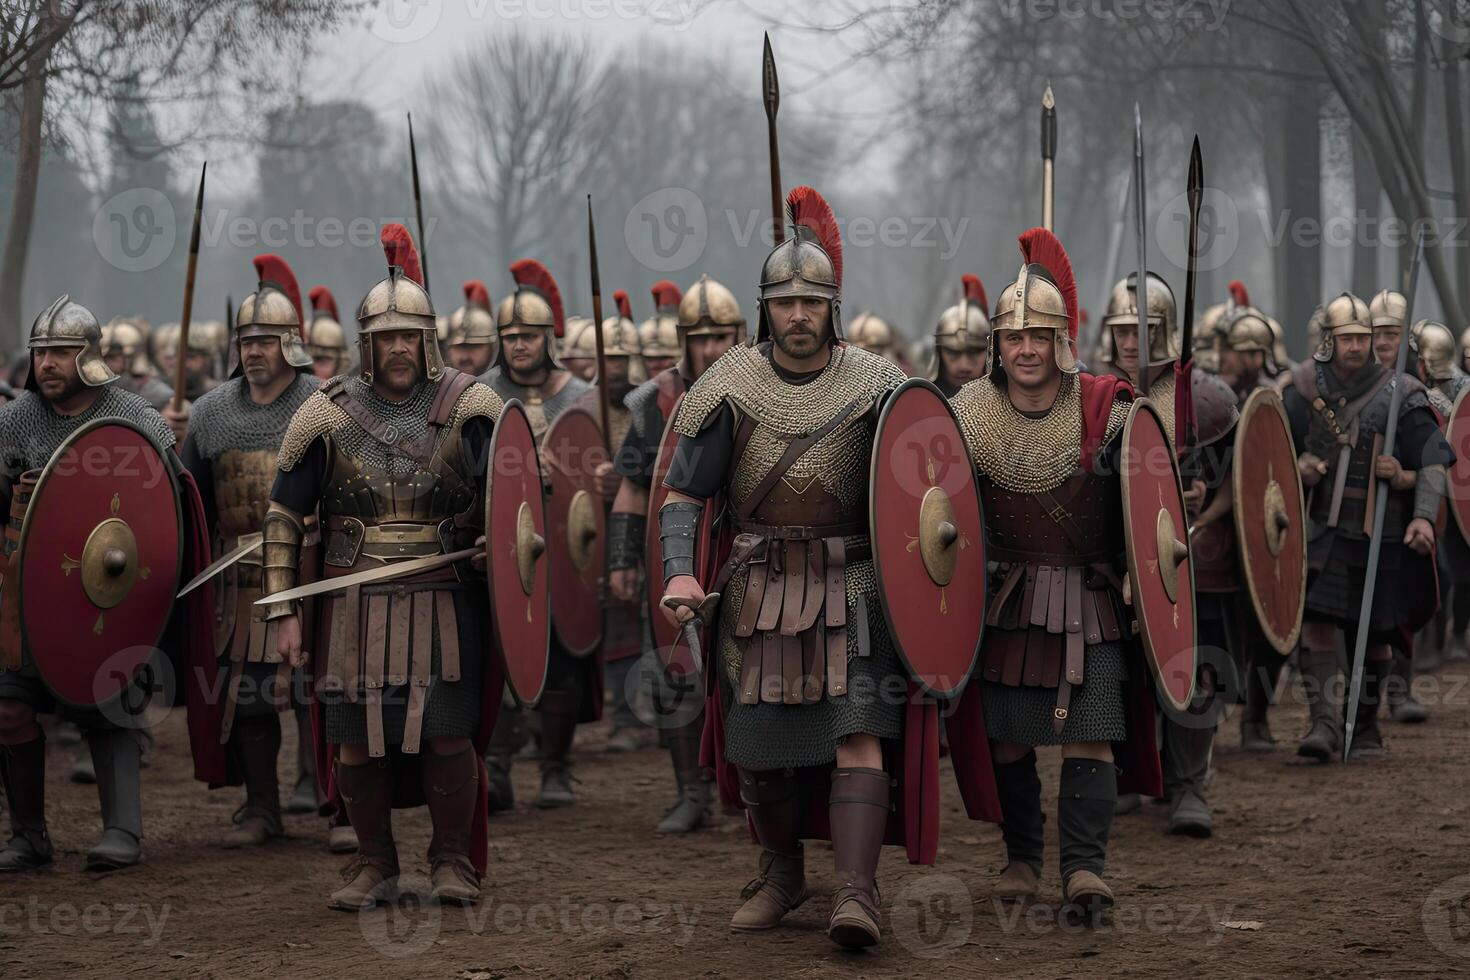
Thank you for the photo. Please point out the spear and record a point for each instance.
(1183, 391)
(1140, 213)
(418, 204)
(180, 362)
(1380, 506)
(602, 408)
(771, 91)
(229, 312)
(1115, 255)
(1048, 155)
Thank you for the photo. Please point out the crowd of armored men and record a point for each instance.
(1234, 340)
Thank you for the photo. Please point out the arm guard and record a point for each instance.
(678, 522)
(282, 531)
(625, 533)
(1429, 490)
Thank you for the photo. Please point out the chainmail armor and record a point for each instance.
(541, 412)
(30, 431)
(1023, 454)
(227, 418)
(637, 403)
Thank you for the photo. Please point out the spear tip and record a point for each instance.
(1048, 101)
(771, 86)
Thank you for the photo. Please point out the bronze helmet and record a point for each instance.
(807, 264)
(398, 302)
(534, 306)
(1347, 314)
(1044, 294)
(273, 310)
(68, 324)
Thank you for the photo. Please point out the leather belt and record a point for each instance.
(796, 532)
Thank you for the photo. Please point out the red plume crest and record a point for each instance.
(1238, 293)
(975, 291)
(399, 248)
(530, 273)
(1041, 247)
(273, 269)
(666, 294)
(625, 307)
(809, 210)
(322, 301)
(475, 294)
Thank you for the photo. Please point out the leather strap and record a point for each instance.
(452, 384)
(416, 448)
(794, 451)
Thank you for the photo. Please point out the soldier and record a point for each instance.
(69, 385)
(393, 459)
(577, 353)
(1338, 405)
(326, 341)
(873, 334)
(658, 336)
(234, 433)
(124, 350)
(1246, 347)
(471, 341)
(1465, 351)
(198, 365)
(765, 426)
(961, 339)
(1037, 427)
(1188, 737)
(622, 620)
(529, 323)
(708, 323)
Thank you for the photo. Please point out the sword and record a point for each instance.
(396, 570)
(1048, 156)
(219, 565)
(178, 402)
(418, 203)
(771, 93)
(1380, 507)
(1140, 212)
(704, 612)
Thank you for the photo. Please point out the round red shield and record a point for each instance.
(1270, 518)
(101, 550)
(1457, 431)
(672, 649)
(571, 451)
(515, 539)
(1159, 570)
(928, 538)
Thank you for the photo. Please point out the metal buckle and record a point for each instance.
(1059, 713)
(391, 434)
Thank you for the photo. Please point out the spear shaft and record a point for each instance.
(418, 204)
(602, 406)
(183, 354)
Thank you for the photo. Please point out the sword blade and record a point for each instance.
(219, 565)
(691, 639)
(386, 573)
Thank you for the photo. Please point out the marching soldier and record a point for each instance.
(326, 341)
(622, 620)
(68, 387)
(874, 334)
(1039, 431)
(708, 323)
(1247, 351)
(124, 348)
(961, 339)
(529, 322)
(783, 429)
(577, 352)
(198, 364)
(1338, 405)
(658, 336)
(471, 341)
(235, 431)
(393, 460)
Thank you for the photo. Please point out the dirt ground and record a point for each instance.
(1335, 870)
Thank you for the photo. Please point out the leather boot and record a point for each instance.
(858, 812)
(1085, 800)
(691, 810)
(1022, 826)
(304, 797)
(452, 788)
(1367, 739)
(371, 877)
(23, 773)
(117, 755)
(1322, 677)
(1398, 688)
(499, 755)
(1260, 687)
(558, 728)
(256, 743)
(1186, 760)
(773, 800)
(83, 771)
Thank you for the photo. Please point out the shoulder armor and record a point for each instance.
(733, 367)
(1215, 408)
(316, 417)
(477, 399)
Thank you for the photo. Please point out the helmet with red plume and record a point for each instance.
(273, 310)
(1044, 295)
(535, 307)
(474, 322)
(397, 303)
(809, 263)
